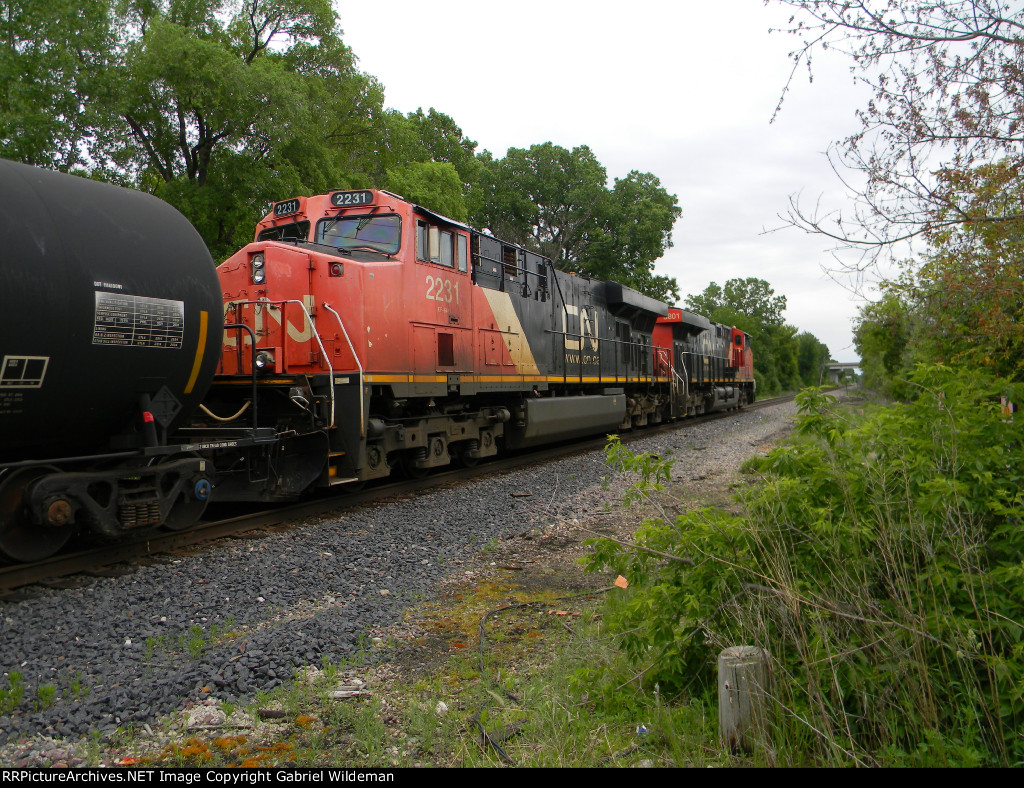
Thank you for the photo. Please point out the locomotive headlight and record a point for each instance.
(264, 360)
(258, 262)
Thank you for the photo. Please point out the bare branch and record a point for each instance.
(948, 94)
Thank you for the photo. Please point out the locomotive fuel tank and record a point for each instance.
(109, 306)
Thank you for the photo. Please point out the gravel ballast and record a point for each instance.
(127, 650)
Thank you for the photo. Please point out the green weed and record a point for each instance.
(46, 694)
(10, 697)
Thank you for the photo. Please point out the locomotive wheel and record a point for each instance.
(464, 458)
(410, 468)
(21, 540)
(414, 472)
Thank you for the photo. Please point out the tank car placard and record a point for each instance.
(138, 321)
(23, 372)
(16, 374)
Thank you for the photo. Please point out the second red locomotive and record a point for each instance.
(381, 334)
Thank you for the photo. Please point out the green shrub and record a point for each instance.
(880, 562)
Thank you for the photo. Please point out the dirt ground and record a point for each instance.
(545, 563)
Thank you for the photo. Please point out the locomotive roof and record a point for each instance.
(691, 320)
(622, 296)
(440, 217)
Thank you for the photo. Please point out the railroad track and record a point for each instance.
(99, 560)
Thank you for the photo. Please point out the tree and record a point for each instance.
(51, 55)
(882, 336)
(425, 157)
(969, 292)
(434, 185)
(812, 355)
(557, 202)
(443, 141)
(948, 84)
(546, 197)
(634, 230)
(751, 296)
(223, 107)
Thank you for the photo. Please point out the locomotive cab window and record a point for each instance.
(296, 231)
(739, 340)
(463, 254)
(446, 252)
(422, 241)
(435, 245)
(375, 233)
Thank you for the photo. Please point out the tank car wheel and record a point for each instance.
(190, 505)
(21, 539)
(184, 514)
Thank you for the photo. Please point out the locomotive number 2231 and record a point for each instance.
(442, 290)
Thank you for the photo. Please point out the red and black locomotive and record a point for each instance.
(388, 335)
(360, 333)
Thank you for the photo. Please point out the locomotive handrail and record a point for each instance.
(315, 333)
(663, 352)
(323, 350)
(628, 343)
(517, 268)
(542, 283)
(252, 347)
(358, 364)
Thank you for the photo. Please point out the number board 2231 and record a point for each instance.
(345, 199)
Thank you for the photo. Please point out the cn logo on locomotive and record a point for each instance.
(584, 324)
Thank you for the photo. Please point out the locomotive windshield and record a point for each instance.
(375, 233)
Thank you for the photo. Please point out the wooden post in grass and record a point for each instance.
(742, 698)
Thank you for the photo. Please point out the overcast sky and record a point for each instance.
(684, 89)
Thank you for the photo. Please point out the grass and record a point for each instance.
(46, 694)
(194, 643)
